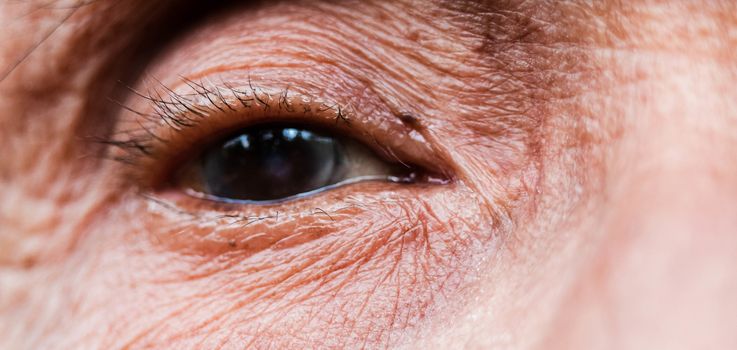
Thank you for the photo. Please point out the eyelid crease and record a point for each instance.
(170, 120)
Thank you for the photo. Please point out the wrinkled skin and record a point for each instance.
(591, 146)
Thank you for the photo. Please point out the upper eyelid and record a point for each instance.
(198, 105)
(204, 100)
(178, 111)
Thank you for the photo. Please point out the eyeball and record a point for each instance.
(275, 162)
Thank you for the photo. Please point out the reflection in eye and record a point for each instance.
(274, 162)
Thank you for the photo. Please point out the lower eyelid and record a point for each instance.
(223, 222)
(351, 181)
(232, 227)
(366, 244)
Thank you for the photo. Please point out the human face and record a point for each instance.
(569, 174)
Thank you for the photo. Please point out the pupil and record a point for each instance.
(268, 163)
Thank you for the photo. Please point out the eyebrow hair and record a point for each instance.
(25, 54)
(84, 13)
(108, 41)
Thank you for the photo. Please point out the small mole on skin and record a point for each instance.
(409, 120)
(29, 262)
(414, 35)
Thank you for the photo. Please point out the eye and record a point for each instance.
(275, 162)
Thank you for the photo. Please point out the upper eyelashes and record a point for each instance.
(181, 110)
(167, 113)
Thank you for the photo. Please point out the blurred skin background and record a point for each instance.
(580, 187)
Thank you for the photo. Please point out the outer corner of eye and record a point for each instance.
(277, 162)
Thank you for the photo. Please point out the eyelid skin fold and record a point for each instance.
(171, 125)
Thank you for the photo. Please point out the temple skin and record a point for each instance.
(591, 148)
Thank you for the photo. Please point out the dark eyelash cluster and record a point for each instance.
(179, 111)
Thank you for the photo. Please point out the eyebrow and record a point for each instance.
(35, 14)
(24, 54)
(96, 24)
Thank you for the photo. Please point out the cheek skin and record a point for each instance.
(360, 270)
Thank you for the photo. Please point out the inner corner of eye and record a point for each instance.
(274, 162)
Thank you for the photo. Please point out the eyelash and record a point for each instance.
(145, 145)
(176, 111)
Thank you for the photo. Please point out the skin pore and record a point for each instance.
(588, 148)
